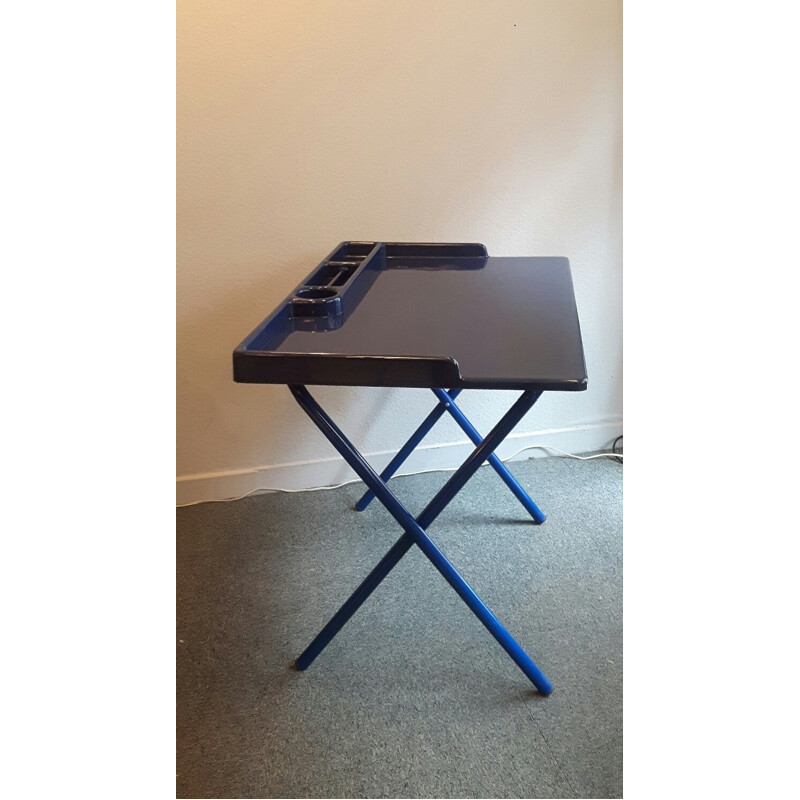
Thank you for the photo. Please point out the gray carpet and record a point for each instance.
(413, 698)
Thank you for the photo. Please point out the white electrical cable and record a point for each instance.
(399, 475)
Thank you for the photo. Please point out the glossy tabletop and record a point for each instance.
(423, 315)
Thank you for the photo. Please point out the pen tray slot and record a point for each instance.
(322, 293)
(334, 273)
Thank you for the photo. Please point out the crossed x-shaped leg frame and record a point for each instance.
(415, 528)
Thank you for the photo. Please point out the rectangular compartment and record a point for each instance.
(332, 285)
(352, 250)
(333, 273)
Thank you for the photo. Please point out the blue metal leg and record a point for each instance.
(446, 404)
(414, 531)
(407, 449)
(368, 585)
(447, 400)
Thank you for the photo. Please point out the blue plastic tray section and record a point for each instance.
(425, 315)
(343, 278)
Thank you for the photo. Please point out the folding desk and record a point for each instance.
(441, 316)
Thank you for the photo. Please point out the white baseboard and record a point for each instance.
(332, 471)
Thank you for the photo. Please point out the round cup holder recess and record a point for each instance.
(316, 301)
(315, 294)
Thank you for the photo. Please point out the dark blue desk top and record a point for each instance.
(424, 315)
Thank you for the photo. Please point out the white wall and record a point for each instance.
(302, 124)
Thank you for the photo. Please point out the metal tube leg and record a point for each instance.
(407, 449)
(477, 457)
(415, 530)
(483, 613)
(368, 585)
(499, 467)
